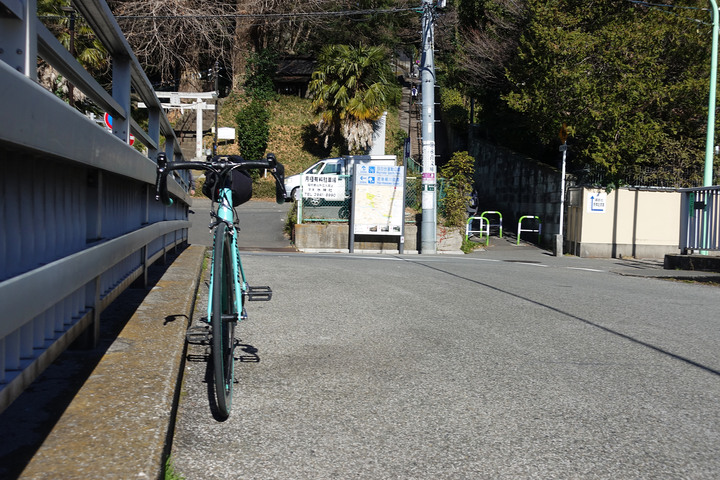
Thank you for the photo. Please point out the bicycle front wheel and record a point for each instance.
(223, 318)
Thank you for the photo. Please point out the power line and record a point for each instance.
(343, 13)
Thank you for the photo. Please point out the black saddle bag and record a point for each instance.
(240, 183)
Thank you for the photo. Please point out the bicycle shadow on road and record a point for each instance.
(244, 353)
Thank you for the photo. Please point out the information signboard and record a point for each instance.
(328, 187)
(378, 200)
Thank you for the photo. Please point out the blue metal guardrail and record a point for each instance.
(700, 219)
(78, 221)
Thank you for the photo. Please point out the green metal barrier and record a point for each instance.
(499, 224)
(520, 229)
(483, 223)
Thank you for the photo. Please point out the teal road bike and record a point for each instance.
(228, 288)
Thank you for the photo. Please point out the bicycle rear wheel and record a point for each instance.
(224, 316)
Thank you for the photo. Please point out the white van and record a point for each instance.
(340, 166)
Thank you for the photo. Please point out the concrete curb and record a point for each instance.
(700, 263)
(120, 422)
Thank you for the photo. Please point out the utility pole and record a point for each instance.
(710, 140)
(559, 242)
(428, 236)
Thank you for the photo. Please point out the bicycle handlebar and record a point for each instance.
(222, 165)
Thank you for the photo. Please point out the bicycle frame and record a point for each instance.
(228, 288)
(226, 214)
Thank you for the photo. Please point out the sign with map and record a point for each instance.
(378, 200)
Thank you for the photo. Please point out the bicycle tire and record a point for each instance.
(223, 319)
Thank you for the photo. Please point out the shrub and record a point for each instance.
(454, 112)
(260, 74)
(253, 126)
(291, 220)
(459, 173)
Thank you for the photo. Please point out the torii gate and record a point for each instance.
(199, 104)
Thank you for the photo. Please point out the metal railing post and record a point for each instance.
(484, 227)
(520, 229)
(494, 212)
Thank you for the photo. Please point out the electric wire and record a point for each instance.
(263, 16)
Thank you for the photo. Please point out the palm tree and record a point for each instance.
(350, 89)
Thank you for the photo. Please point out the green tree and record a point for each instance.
(395, 29)
(489, 32)
(89, 51)
(453, 108)
(253, 125)
(261, 72)
(631, 80)
(350, 89)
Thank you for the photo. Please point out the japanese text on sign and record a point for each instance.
(597, 202)
(378, 200)
(323, 186)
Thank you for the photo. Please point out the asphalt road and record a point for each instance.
(507, 363)
(261, 224)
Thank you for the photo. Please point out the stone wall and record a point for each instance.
(638, 222)
(516, 185)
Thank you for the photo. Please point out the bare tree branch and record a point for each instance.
(492, 43)
(174, 35)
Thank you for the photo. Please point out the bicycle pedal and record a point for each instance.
(259, 294)
(198, 335)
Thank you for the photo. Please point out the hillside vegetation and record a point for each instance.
(293, 137)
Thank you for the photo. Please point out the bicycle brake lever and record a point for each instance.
(279, 173)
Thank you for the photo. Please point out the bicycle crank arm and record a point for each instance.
(259, 294)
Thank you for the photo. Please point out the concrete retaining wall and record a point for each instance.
(516, 185)
(335, 237)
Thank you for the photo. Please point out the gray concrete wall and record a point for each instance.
(335, 237)
(638, 222)
(516, 185)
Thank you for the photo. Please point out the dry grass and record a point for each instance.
(293, 138)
